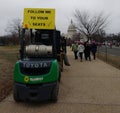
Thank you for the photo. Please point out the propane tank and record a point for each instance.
(38, 50)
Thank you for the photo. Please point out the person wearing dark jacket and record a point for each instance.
(94, 49)
(87, 51)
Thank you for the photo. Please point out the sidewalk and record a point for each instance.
(86, 87)
(98, 82)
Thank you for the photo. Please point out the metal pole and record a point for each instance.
(22, 44)
(106, 52)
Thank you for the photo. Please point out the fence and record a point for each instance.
(108, 58)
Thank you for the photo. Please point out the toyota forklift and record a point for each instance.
(38, 71)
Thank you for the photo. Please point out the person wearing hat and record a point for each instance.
(94, 49)
(81, 50)
(75, 50)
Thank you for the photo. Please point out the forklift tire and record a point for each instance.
(54, 96)
(16, 95)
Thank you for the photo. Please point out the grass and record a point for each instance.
(9, 52)
(8, 57)
(110, 59)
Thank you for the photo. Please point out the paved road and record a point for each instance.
(114, 51)
(86, 87)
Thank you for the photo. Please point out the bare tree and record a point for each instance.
(90, 24)
(14, 27)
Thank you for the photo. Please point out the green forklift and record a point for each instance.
(38, 71)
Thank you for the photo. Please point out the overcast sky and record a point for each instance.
(11, 9)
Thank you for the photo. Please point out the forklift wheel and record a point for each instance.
(54, 96)
(16, 95)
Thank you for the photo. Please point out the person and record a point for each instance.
(94, 49)
(110, 45)
(75, 49)
(87, 51)
(81, 50)
(64, 51)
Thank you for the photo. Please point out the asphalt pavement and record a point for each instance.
(86, 87)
